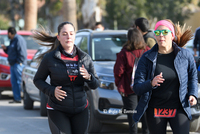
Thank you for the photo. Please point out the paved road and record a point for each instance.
(15, 120)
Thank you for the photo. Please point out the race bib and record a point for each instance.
(164, 112)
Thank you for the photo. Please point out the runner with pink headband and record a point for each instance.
(166, 79)
(167, 24)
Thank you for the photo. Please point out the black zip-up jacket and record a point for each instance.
(54, 66)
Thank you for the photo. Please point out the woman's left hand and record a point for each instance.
(192, 100)
(84, 72)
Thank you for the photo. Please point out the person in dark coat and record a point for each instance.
(143, 25)
(166, 80)
(123, 72)
(17, 58)
(69, 69)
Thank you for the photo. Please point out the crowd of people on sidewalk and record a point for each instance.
(161, 91)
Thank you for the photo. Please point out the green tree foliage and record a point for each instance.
(126, 11)
(119, 11)
(12, 10)
(4, 23)
(168, 9)
(50, 9)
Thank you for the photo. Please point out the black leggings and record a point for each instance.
(130, 103)
(180, 124)
(63, 123)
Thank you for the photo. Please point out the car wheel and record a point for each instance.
(194, 124)
(43, 102)
(28, 102)
(94, 124)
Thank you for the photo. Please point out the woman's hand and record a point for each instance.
(192, 100)
(85, 73)
(60, 94)
(157, 79)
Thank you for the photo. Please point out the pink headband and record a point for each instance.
(167, 24)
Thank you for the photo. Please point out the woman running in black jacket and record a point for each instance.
(69, 68)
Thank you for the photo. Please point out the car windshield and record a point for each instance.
(31, 44)
(105, 48)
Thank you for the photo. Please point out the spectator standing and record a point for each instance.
(166, 80)
(17, 58)
(197, 41)
(123, 72)
(143, 25)
(69, 69)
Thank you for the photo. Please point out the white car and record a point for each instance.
(31, 93)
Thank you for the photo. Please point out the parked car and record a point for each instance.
(4, 65)
(31, 93)
(105, 103)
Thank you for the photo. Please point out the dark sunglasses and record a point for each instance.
(164, 32)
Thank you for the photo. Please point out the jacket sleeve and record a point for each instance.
(141, 83)
(94, 82)
(119, 67)
(21, 51)
(192, 77)
(40, 77)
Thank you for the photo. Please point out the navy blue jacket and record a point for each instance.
(187, 74)
(16, 51)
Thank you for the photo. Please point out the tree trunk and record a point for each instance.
(30, 14)
(69, 12)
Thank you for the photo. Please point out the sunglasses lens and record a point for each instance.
(157, 33)
(165, 32)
